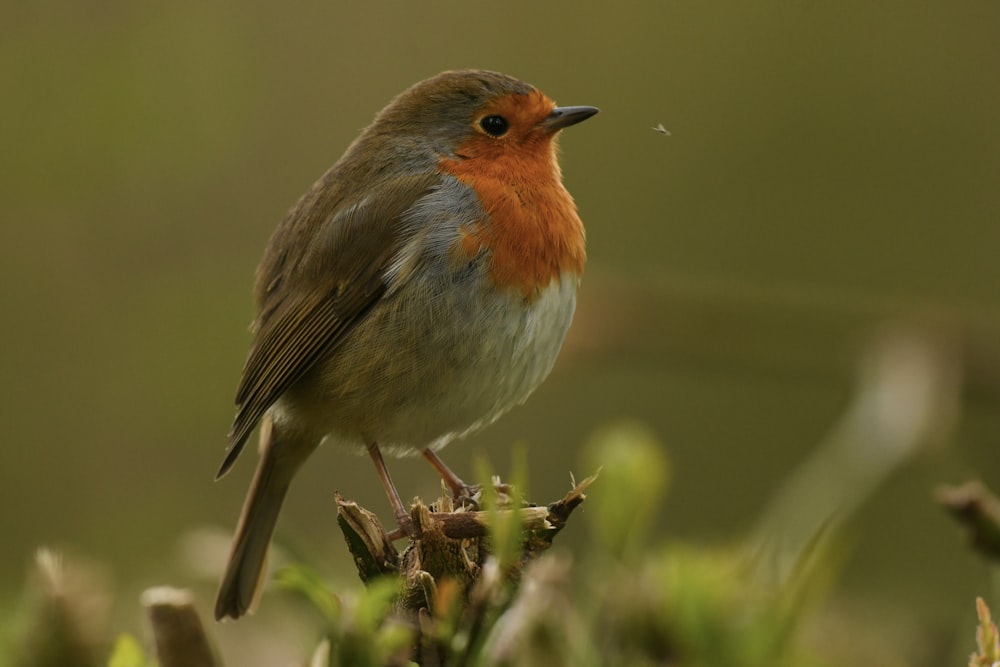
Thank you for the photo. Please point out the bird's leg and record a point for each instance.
(402, 516)
(459, 489)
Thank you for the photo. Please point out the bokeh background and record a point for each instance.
(831, 168)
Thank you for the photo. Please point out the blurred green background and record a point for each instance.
(831, 167)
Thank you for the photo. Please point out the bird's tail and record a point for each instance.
(242, 582)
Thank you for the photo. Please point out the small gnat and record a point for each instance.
(662, 130)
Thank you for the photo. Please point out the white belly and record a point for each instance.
(455, 367)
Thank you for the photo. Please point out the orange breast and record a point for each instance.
(533, 233)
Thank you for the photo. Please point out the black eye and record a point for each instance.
(495, 126)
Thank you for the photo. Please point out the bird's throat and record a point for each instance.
(532, 233)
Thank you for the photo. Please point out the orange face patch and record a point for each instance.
(533, 232)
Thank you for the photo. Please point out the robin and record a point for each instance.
(417, 291)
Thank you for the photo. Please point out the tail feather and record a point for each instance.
(242, 582)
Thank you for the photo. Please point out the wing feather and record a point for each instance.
(312, 305)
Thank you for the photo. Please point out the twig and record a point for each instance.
(177, 629)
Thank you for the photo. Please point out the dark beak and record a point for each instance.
(565, 116)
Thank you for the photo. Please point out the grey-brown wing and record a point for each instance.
(340, 275)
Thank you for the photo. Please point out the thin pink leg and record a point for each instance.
(458, 488)
(402, 516)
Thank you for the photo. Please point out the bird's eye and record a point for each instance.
(495, 126)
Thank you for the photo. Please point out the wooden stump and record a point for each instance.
(451, 543)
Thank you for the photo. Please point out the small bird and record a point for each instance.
(417, 291)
